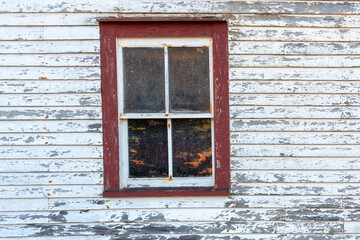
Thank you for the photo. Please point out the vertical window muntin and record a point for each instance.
(168, 181)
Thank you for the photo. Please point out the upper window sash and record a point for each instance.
(164, 43)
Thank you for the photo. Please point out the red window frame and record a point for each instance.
(113, 28)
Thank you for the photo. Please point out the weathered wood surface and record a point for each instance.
(66, 46)
(295, 176)
(290, 163)
(294, 87)
(51, 165)
(50, 152)
(50, 100)
(306, 48)
(54, 73)
(295, 150)
(294, 125)
(295, 99)
(41, 126)
(40, 113)
(201, 202)
(51, 139)
(290, 7)
(295, 73)
(293, 61)
(294, 138)
(187, 215)
(50, 60)
(44, 86)
(169, 227)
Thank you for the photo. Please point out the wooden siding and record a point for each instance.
(295, 132)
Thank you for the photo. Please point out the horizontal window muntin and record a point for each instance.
(167, 181)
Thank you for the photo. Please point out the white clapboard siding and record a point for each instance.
(26, 126)
(294, 87)
(170, 227)
(293, 34)
(44, 86)
(37, 113)
(307, 48)
(336, 21)
(50, 100)
(294, 112)
(351, 202)
(294, 125)
(58, 19)
(9, 152)
(48, 191)
(296, 150)
(328, 202)
(29, 73)
(332, 138)
(51, 139)
(290, 7)
(51, 165)
(295, 176)
(295, 99)
(49, 33)
(291, 163)
(293, 61)
(334, 189)
(23, 205)
(65, 46)
(49, 60)
(24, 179)
(187, 215)
(295, 73)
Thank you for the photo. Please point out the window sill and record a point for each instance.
(167, 192)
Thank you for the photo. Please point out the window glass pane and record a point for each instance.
(144, 80)
(148, 151)
(189, 86)
(192, 155)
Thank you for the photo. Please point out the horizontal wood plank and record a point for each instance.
(9, 152)
(43, 73)
(296, 150)
(23, 205)
(292, 163)
(13, 179)
(66, 46)
(43, 86)
(26, 126)
(294, 138)
(40, 113)
(295, 99)
(293, 61)
(313, 74)
(293, 34)
(19, 100)
(51, 165)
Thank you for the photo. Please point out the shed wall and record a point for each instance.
(294, 107)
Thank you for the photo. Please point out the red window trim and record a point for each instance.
(112, 28)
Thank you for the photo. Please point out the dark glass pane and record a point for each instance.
(189, 85)
(148, 151)
(192, 154)
(144, 80)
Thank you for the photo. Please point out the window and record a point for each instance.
(165, 107)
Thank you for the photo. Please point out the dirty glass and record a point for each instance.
(144, 80)
(192, 155)
(189, 86)
(148, 151)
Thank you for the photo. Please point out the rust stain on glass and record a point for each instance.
(192, 152)
(148, 148)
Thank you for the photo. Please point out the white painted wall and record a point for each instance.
(294, 96)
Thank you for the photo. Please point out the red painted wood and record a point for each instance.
(138, 28)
